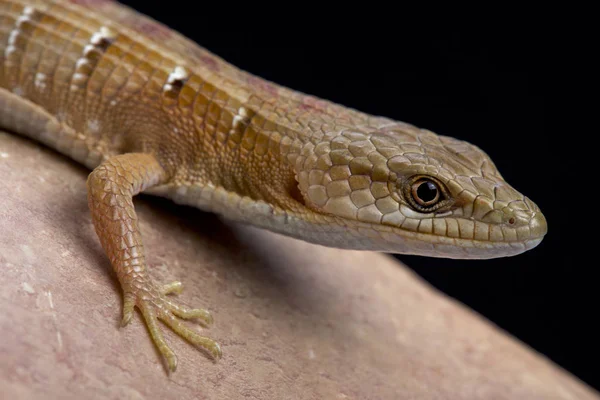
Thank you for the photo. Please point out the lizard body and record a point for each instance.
(148, 110)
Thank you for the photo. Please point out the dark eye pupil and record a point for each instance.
(427, 191)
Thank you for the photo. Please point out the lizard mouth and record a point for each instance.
(346, 233)
(355, 235)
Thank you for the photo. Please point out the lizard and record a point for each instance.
(148, 110)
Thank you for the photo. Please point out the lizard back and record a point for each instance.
(94, 79)
(95, 83)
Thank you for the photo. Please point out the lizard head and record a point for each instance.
(402, 189)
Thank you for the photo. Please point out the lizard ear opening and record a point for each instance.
(296, 194)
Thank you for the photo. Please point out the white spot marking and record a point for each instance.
(27, 288)
(104, 34)
(65, 253)
(25, 16)
(243, 111)
(96, 39)
(113, 103)
(175, 130)
(14, 34)
(98, 43)
(40, 81)
(4, 155)
(236, 121)
(28, 10)
(81, 63)
(22, 20)
(79, 77)
(12, 38)
(242, 115)
(179, 75)
(89, 49)
(311, 354)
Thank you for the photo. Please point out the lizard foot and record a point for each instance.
(154, 304)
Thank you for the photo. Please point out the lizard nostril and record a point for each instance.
(511, 221)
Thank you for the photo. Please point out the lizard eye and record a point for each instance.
(426, 194)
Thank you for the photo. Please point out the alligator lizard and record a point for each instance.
(148, 110)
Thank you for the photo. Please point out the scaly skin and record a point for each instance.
(149, 110)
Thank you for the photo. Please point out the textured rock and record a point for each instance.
(295, 321)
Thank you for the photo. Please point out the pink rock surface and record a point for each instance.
(295, 320)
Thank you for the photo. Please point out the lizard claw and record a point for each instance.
(154, 305)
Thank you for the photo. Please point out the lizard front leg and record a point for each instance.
(111, 187)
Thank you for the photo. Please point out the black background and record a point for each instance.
(488, 82)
